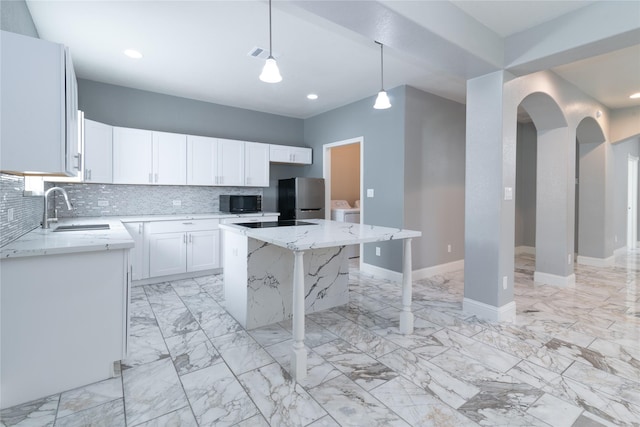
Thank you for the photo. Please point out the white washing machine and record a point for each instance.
(343, 212)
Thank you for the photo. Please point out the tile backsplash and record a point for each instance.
(26, 211)
(125, 200)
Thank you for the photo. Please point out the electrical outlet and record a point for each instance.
(505, 282)
(449, 248)
(10, 214)
(369, 192)
(177, 203)
(377, 250)
(103, 203)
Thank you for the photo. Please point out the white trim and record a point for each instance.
(438, 269)
(595, 262)
(554, 280)
(326, 174)
(505, 313)
(620, 251)
(180, 276)
(531, 250)
(379, 272)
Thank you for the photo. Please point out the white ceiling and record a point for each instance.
(199, 50)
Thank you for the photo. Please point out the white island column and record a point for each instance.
(406, 316)
(298, 353)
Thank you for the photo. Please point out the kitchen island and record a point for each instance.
(273, 273)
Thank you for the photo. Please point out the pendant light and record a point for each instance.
(270, 72)
(382, 101)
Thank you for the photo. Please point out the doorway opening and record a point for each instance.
(632, 202)
(343, 174)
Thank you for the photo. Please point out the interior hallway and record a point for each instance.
(571, 359)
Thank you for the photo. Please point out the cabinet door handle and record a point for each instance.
(187, 223)
(90, 175)
(139, 228)
(150, 178)
(156, 177)
(190, 238)
(184, 238)
(79, 165)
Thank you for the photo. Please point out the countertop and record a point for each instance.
(323, 234)
(40, 242)
(47, 242)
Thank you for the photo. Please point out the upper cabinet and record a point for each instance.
(256, 164)
(146, 157)
(39, 107)
(98, 152)
(214, 161)
(169, 158)
(230, 162)
(132, 156)
(289, 154)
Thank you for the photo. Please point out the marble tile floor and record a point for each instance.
(572, 358)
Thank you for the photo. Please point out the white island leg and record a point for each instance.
(298, 353)
(406, 316)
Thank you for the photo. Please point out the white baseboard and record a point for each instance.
(595, 262)
(524, 250)
(174, 277)
(380, 273)
(505, 313)
(554, 280)
(620, 251)
(438, 269)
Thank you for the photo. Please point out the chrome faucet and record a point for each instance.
(45, 216)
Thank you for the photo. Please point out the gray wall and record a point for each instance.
(525, 193)
(434, 177)
(27, 211)
(383, 139)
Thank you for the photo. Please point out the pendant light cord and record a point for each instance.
(381, 66)
(270, 44)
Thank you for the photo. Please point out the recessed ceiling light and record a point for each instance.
(312, 96)
(133, 54)
(635, 95)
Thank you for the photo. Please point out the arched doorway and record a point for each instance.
(553, 159)
(591, 195)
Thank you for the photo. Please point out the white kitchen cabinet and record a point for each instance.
(202, 160)
(138, 256)
(98, 152)
(289, 154)
(169, 158)
(230, 162)
(203, 250)
(38, 107)
(167, 254)
(147, 157)
(64, 321)
(177, 247)
(256, 164)
(132, 156)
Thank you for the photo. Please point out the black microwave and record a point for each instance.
(233, 203)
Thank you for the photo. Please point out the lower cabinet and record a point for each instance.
(138, 255)
(177, 247)
(64, 322)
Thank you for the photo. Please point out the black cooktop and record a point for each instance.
(270, 224)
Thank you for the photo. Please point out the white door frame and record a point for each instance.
(632, 202)
(326, 174)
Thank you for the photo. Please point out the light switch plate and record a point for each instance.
(369, 192)
(177, 203)
(508, 193)
(103, 203)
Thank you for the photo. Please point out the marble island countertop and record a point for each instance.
(323, 234)
(49, 242)
(179, 217)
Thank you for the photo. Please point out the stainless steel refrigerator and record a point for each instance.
(301, 198)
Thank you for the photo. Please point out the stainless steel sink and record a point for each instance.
(82, 227)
